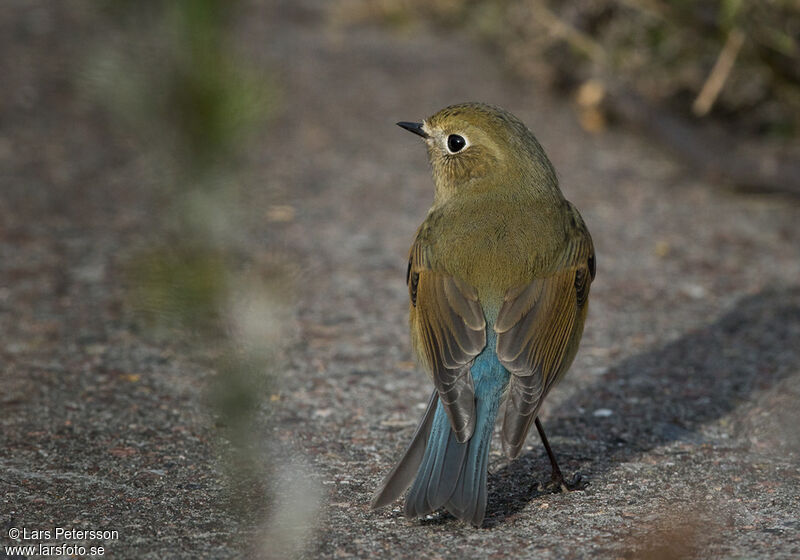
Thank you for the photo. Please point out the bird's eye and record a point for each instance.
(455, 143)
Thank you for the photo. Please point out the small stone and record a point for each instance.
(694, 291)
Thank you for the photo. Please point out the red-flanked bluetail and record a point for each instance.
(498, 282)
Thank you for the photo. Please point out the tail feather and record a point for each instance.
(468, 501)
(442, 485)
(453, 474)
(404, 471)
(435, 482)
(447, 473)
(417, 498)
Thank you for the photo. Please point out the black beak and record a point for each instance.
(415, 127)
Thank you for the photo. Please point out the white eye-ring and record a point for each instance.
(456, 143)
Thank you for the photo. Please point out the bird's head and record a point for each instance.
(475, 147)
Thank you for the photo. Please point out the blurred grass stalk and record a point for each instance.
(170, 76)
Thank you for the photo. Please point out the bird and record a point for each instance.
(498, 281)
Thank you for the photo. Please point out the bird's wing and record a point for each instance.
(449, 330)
(538, 330)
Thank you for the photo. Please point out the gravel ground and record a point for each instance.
(681, 409)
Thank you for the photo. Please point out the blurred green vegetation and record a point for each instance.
(735, 61)
(170, 72)
(170, 76)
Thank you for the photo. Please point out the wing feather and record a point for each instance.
(450, 332)
(538, 329)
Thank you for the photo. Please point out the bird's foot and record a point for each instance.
(559, 485)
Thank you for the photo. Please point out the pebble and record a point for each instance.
(602, 413)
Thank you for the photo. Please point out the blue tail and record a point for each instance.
(453, 474)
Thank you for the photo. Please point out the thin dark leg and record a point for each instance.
(557, 482)
(558, 478)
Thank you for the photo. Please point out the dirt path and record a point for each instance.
(680, 409)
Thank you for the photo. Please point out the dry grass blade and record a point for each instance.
(576, 38)
(719, 73)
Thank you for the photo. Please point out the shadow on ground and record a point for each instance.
(663, 396)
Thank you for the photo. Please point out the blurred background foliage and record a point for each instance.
(171, 73)
(664, 49)
(733, 63)
(174, 83)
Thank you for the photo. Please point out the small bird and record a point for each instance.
(498, 281)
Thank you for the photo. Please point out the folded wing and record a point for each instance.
(538, 330)
(450, 331)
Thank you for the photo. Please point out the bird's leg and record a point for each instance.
(557, 482)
